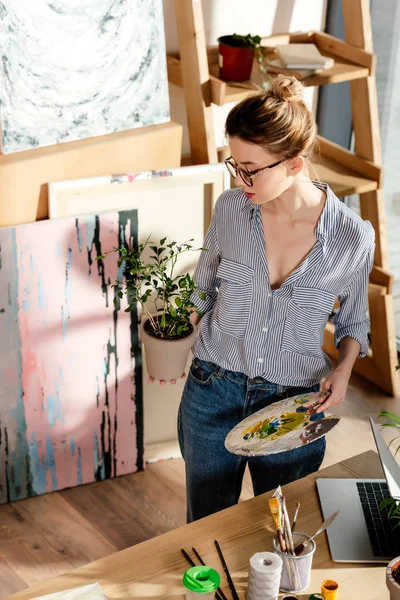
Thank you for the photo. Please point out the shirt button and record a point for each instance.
(265, 329)
(260, 360)
(269, 295)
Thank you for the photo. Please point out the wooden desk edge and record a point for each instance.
(365, 465)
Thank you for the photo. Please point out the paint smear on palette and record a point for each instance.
(281, 426)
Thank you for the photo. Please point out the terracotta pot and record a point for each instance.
(392, 585)
(235, 61)
(166, 359)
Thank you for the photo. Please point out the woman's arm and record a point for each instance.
(205, 275)
(351, 333)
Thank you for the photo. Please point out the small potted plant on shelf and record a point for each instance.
(165, 298)
(236, 56)
(392, 506)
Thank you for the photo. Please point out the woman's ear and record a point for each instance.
(296, 165)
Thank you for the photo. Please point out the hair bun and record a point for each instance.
(286, 88)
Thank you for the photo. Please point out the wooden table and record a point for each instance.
(154, 569)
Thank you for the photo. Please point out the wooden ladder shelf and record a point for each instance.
(196, 70)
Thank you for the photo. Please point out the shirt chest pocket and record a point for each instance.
(306, 318)
(232, 310)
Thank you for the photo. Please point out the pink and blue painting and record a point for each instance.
(70, 364)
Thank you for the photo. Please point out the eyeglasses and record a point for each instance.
(247, 177)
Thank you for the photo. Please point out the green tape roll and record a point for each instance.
(315, 597)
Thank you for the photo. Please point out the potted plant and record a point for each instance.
(165, 298)
(236, 55)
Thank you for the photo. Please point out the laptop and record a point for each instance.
(362, 532)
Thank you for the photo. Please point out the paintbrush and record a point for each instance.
(296, 514)
(287, 525)
(228, 575)
(299, 549)
(274, 507)
(221, 593)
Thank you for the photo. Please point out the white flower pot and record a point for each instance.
(166, 359)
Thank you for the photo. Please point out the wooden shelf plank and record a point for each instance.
(342, 180)
(343, 171)
(350, 63)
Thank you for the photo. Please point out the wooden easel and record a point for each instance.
(196, 70)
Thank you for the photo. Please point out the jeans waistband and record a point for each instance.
(222, 373)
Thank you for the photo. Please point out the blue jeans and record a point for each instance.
(214, 400)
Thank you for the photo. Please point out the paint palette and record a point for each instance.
(281, 426)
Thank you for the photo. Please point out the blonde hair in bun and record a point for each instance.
(286, 89)
(277, 119)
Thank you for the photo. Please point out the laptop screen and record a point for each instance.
(389, 465)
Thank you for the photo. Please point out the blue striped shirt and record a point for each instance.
(278, 334)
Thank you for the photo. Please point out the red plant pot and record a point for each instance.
(235, 60)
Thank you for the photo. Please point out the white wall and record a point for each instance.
(258, 17)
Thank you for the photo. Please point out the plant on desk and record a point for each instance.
(392, 505)
(166, 331)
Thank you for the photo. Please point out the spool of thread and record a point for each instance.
(329, 589)
(265, 570)
(290, 597)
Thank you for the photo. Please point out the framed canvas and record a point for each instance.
(73, 70)
(176, 203)
(70, 361)
(161, 197)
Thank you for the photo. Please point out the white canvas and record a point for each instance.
(177, 203)
(78, 69)
(174, 202)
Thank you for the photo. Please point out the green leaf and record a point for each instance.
(202, 296)
(162, 242)
(178, 302)
(172, 311)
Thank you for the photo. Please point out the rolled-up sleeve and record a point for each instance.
(352, 319)
(205, 275)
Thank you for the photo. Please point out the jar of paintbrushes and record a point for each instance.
(294, 548)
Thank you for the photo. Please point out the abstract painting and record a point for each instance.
(70, 364)
(78, 69)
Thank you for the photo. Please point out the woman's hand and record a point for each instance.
(337, 384)
(163, 382)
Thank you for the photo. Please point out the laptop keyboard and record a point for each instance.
(380, 529)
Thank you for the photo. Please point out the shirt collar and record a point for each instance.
(326, 225)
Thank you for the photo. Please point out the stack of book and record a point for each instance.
(305, 59)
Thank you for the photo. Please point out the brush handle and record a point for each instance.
(281, 540)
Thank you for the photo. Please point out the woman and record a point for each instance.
(280, 250)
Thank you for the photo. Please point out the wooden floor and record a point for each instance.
(48, 535)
